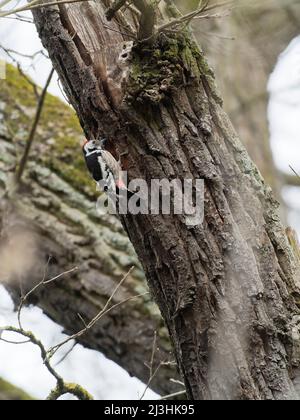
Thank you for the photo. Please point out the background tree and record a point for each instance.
(252, 38)
(9, 392)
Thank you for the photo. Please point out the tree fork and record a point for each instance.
(225, 288)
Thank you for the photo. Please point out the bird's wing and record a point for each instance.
(112, 164)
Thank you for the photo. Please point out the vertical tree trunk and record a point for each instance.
(225, 288)
(56, 211)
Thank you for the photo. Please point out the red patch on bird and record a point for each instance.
(120, 184)
(83, 143)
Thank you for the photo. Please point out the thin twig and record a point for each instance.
(43, 282)
(10, 53)
(153, 352)
(62, 387)
(294, 171)
(66, 355)
(15, 342)
(60, 275)
(119, 32)
(192, 15)
(31, 137)
(34, 6)
(97, 318)
(26, 296)
(152, 372)
(155, 372)
(20, 19)
(176, 381)
(175, 394)
(55, 348)
(34, 340)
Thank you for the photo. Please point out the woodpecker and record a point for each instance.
(104, 168)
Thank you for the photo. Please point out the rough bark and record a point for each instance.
(55, 214)
(225, 288)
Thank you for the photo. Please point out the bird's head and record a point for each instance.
(89, 146)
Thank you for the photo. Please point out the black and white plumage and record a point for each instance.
(103, 167)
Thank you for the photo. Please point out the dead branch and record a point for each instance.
(175, 394)
(296, 173)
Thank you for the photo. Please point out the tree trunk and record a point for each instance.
(225, 288)
(55, 214)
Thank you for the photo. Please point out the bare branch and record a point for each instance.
(62, 387)
(99, 316)
(66, 354)
(43, 282)
(183, 20)
(153, 372)
(175, 394)
(147, 18)
(114, 8)
(11, 53)
(31, 337)
(14, 342)
(31, 137)
(296, 173)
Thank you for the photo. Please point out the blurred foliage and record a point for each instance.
(57, 144)
(10, 392)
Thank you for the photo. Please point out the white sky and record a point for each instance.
(23, 37)
(284, 108)
(21, 364)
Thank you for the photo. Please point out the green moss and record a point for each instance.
(155, 69)
(10, 392)
(70, 388)
(166, 65)
(57, 144)
(16, 83)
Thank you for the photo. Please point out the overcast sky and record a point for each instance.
(101, 377)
